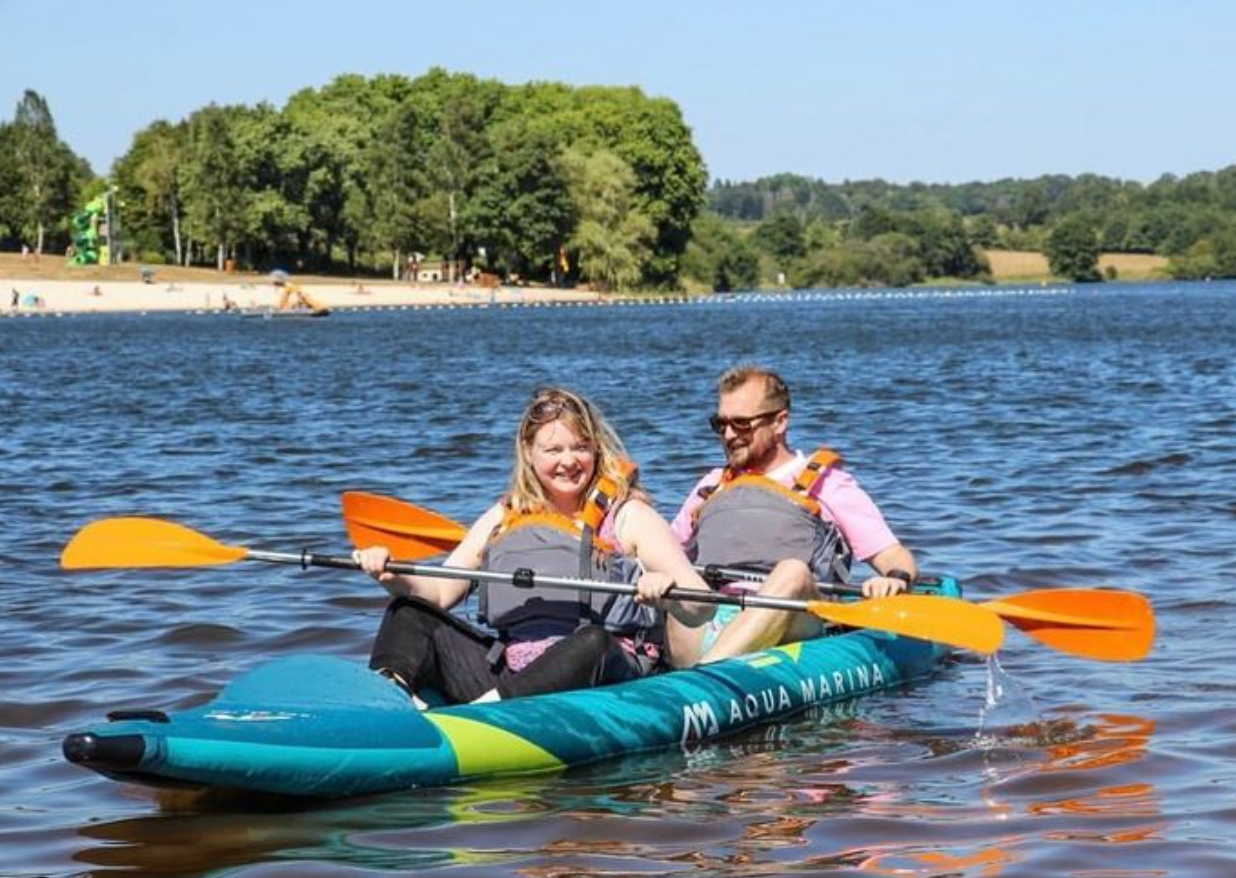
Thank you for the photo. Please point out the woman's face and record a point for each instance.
(563, 462)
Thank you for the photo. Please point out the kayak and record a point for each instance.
(287, 314)
(323, 726)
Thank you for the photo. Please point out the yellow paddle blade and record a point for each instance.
(144, 542)
(927, 617)
(1101, 624)
(410, 532)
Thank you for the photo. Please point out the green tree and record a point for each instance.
(523, 212)
(330, 130)
(891, 259)
(216, 200)
(782, 236)
(1073, 248)
(1211, 257)
(48, 174)
(718, 257)
(650, 136)
(396, 184)
(612, 238)
(156, 167)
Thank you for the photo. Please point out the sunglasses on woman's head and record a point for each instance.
(550, 408)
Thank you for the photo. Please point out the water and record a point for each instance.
(1019, 441)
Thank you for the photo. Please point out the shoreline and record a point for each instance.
(49, 297)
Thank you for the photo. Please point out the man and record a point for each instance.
(776, 509)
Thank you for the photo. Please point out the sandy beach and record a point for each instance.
(33, 296)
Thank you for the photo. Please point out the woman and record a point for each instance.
(573, 509)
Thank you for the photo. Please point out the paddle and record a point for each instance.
(1103, 624)
(150, 542)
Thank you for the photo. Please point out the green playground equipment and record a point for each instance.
(89, 248)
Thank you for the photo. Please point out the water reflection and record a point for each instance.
(226, 829)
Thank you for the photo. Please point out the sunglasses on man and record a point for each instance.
(740, 425)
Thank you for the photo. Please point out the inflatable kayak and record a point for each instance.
(324, 726)
(287, 314)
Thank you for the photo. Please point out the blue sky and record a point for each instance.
(933, 90)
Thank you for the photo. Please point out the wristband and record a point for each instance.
(899, 574)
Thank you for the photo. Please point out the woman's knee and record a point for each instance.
(592, 640)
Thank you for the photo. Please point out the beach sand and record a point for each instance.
(88, 296)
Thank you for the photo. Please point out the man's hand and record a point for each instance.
(883, 586)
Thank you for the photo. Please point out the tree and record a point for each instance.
(49, 175)
(1073, 248)
(650, 136)
(781, 236)
(159, 173)
(718, 258)
(522, 212)
(612, 238)
(216, 200)
(396, 183)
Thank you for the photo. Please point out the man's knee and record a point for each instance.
(791, 578)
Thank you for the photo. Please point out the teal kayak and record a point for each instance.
(322, 726)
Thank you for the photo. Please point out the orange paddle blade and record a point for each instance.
(1092, 623)
(927, 617)
(144, 542)
(410, 532)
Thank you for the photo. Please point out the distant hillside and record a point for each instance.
(1168, 216)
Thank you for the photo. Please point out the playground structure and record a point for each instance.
(89, 233)
(95, 231)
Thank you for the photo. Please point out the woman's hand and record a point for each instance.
(373, 561)
(651, 589)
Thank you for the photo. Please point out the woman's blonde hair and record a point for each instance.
(551, 404)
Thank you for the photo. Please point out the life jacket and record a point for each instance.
(553, 544)
(751, 520)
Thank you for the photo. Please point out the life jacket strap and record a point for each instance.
(817, 463)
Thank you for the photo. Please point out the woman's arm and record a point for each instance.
(446, 593)
(645, 535)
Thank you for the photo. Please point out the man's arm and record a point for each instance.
(896, 568)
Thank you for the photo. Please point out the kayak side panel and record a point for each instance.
(325, 726)
(680, 708)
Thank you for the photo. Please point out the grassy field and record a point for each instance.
(1011, 266)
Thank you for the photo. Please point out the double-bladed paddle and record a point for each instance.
(151, 542)
(1104, 624)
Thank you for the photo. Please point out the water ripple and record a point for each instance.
(1020, 441)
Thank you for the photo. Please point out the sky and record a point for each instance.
(923, 90)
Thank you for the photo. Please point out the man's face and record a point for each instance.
(750, 429)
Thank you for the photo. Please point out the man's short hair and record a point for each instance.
(776, 393)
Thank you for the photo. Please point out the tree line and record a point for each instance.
(561, 184)
(1191, 219)
(544, 181)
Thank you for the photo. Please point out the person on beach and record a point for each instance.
(574, 509)
(798, 517)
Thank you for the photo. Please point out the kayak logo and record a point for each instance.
(699, 721)
(847, 681)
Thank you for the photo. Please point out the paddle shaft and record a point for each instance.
(528, 579)
(717, 575)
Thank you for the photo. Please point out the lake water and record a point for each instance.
(1020, 441)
